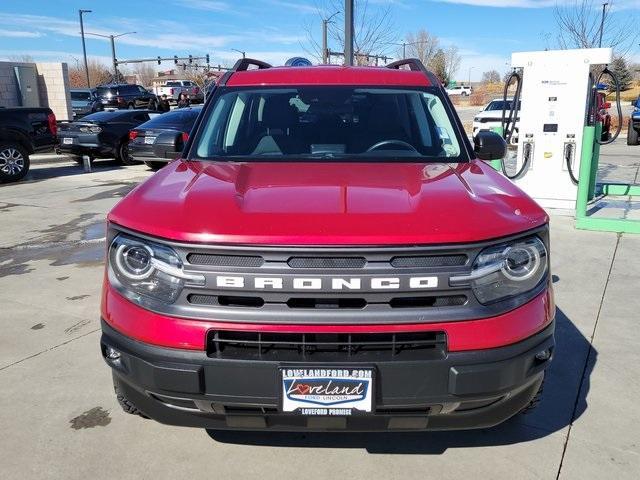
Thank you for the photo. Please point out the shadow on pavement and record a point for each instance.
(45, 171)
(563, 401)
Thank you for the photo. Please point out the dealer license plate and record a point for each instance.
(149, 140)
(67, 141)
(327, 391)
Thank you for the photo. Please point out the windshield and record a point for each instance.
(499, 105)
(81, 96)
(182, 118)
(329, 122)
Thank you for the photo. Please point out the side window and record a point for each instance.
(234, 120)
(211, 136)
(443, 126)
(141, 117)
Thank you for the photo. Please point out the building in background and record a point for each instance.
(25, 84)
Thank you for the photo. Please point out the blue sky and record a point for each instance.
(485, 31)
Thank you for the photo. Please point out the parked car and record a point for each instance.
(126, 96)
(633, 133)
(490, 117)
(173, 88)
(162, 138)
(101, 134)
(604, 116)
(330, 253)
(84, 101)
(24, 131)
(459, 90)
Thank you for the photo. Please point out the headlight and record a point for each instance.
(143, 270)
(506, 270)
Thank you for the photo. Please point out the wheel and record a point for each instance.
(14, 162)
(632, 134)
(153, 105)
(127, 405)
(155, 166)
(464, 94)
(131, 106)
(123, 154)
(534, 401)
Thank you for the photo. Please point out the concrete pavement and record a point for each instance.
(60, 419)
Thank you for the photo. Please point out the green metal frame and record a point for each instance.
(588, 188)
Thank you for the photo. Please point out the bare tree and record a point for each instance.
(145, 73)
(492, 76)
(21, 58)
(373, 24)
(579, 24)
(98, 74)
(421, 45)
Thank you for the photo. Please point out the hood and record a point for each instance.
(298, 203)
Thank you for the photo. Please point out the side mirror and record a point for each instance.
(489, 146)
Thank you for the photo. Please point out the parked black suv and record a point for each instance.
(126, 96)
(24, 131)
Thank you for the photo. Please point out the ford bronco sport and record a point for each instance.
(331, 253)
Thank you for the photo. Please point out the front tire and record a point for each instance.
(14, 162)
(131, 106)
(153, 105)
(535, 401)
(632, 135)
(123, 154)
(127, 405)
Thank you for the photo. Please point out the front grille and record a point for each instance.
(327, 262)
(430, 261)
(243, 261)
(332, 285)
(321, 347)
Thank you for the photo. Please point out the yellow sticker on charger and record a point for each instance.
(548, 154)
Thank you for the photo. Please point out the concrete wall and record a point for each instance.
(53, 87)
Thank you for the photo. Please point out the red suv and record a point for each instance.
(331, 253)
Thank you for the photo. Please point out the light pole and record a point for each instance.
(604, 11)
(470, 68)
(348, 32)
(84, 48)
(113, 49)
(244, 54)
(325, 40)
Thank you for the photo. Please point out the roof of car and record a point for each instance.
(328, 75)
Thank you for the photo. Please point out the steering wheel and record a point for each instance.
(400, 143)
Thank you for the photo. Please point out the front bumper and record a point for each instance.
(462, 390)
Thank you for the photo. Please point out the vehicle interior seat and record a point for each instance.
(279, 120)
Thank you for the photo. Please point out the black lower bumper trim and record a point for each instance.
(463, 390)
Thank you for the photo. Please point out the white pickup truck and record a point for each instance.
(173, 88)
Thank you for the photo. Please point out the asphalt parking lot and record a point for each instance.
(59, 417)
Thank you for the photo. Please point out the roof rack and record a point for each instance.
(243, 64)
(415, 65)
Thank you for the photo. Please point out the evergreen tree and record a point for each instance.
(620, 68)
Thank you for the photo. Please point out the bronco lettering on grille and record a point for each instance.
(327, 283)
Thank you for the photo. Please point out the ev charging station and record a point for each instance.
(553, 113)
(559, 133)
